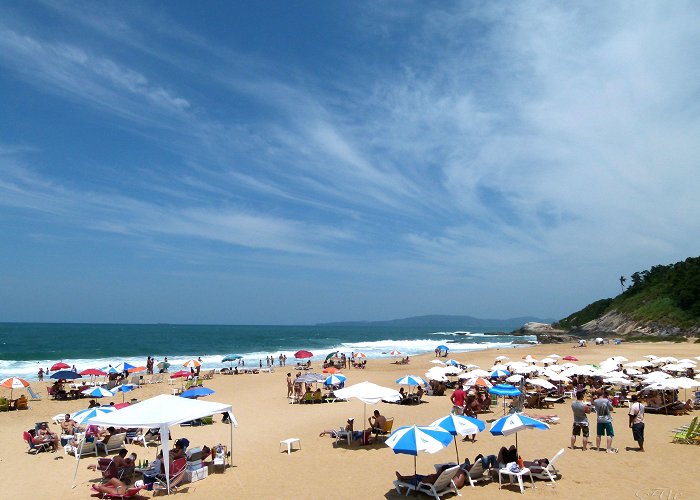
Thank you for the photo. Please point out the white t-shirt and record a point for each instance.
(637, 411)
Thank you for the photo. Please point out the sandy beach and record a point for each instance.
(319, 469)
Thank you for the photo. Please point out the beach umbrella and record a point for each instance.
(452, 362)
(197, 392)
(368, 393)
(476, 373)
(65, 375)
(360, 355)
(97, 392)
(332, 355)
(514, 379)
(331, 370)
(412, 380)
(570, 358)
(459, 424)
(163, 365)
(545, 384)
(123, 367)
(549, 361)
(335, 379)
(505, 390)
(303, 354)
(93, 371)
(502, 358)
(14, 383)
(478, 381)
(515, 422)
(231, 357)
(394, 353)
(84, 415)
(556, 356)
(192, 363)
(310, 378)
(123, 388)
(59, 366)
(411, 440)
(443, 347)
(499, 373)
(499, 366)
(436, 373)
(110, 370)
(180, 374)
(137, 369)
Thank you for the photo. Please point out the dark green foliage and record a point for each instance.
(588, 313)
(668, 295)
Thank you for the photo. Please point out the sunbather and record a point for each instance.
(334, 432)
(44, 435)
(113, 486)
(431, 478)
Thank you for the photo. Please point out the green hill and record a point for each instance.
(663, 298)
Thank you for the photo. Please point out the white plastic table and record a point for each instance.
(519, 475)
(290, 442)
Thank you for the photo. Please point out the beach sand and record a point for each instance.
(260, 469)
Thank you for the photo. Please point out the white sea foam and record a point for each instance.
(372, 349)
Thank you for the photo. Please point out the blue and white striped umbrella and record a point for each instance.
(505, 390)
(123, 366)
(335, 379)
(110, 369)
(98, 392)
(410, 380)
(84, 415)
(459, 424)
(411, 440)
(500, 373)
(511, 424)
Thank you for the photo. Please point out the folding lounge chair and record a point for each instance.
(177, 475)
(386, 430)
(115, 443)
(33, 394)
(689, 435)
(443, 485)
(476, 473)
(35, 448)
(546, 473)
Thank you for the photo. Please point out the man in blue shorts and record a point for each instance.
(603, 407)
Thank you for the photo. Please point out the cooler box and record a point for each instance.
(192, 476)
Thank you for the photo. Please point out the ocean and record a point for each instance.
(24, 347)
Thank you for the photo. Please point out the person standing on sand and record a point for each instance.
(290, 385)
(457, 398)
(41, 374)
(637, 421)
(603, 407)
(581, 411)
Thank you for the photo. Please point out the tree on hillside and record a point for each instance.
(622, 282)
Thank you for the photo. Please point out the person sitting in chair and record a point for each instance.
(377, 422)
(68, 425)
(44, 435)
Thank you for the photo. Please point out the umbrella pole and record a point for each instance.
(456, 450)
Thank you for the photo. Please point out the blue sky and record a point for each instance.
(282, 163)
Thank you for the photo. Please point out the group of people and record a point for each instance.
(377, 424)
(603, 408)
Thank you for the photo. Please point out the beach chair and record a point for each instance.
(115, 443)
(32, 394)
(386, 430)
(176, 473)
(476, 473)
(81, 449)
(35, 448)
(689, 435)
(135, 380)
(4, 404)
(545, 473)
(443, 484)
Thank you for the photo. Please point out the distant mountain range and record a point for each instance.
(447, 322)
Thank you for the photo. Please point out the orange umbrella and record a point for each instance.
(14, 383)
(331, 370)
(137, 369)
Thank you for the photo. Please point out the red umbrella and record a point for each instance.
(59, 366)
(570, 358)
(303, 354)
(119, 406)
(93, 371)
(181, 373)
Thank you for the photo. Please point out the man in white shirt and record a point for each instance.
(637, 421)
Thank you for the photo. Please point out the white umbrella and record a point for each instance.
(501, 358)
(638, 364)
(476, 373)
(368, 393)
(548, 361)
(541, 383)
(618, 381)
(438, 362)
(686, 383)
(499, 367)
(554, 356)
(514, 379)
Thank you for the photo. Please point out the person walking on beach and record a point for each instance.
(290, 385)
(637, 421)
(603, 407)
(581, 411)
(41, 374)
